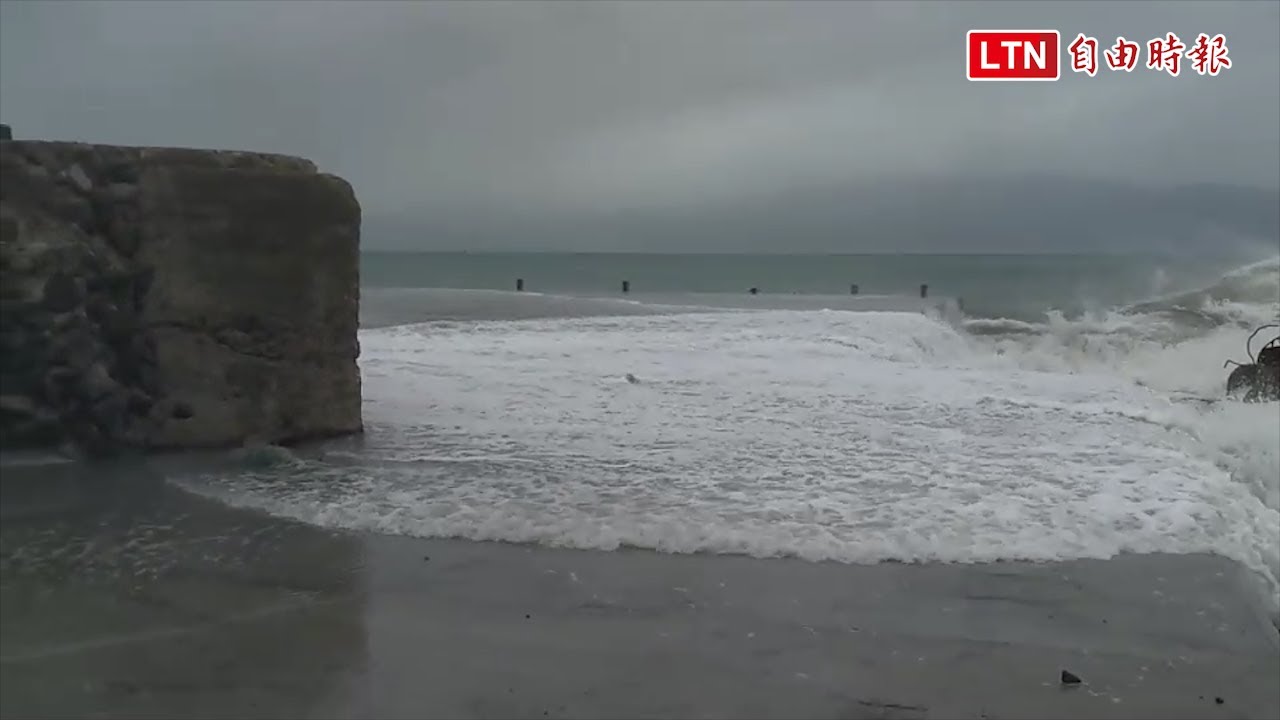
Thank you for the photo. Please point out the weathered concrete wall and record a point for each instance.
(173, 298)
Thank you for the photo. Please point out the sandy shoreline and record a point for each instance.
(132, 598)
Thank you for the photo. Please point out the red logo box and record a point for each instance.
(1012, 55)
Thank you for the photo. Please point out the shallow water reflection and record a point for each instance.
(124, 596)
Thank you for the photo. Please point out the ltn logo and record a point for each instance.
(1013, 55)
(1034, 55)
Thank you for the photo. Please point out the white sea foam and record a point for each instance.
(852, 436)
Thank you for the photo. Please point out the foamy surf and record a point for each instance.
(847, 436)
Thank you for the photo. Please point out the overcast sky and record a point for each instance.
(486, 124)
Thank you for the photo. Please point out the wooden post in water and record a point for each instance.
(519, 284)
(853, 289)
(626, 286)
(924, 291)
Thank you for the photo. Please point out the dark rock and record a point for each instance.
(224, 160)
(62, 293)
(6, 133)
(16, 342)
(141, 375)
(17, 380)
(1241, 379)
(57, 383)
(98, 304)
(121, 171)
(8, 230)
(124, 230)
(1267, 382)
(110, 414)
(122, 192)
(77, 348)
(79, 178)
(139, 403)
(36, 319)
(64, 321)
(182, 411)
(103, 209)
(119, 327)
(96, 288)
(142, 281)
(39, 154)
(17, 406)
(1070, 678)
(135, 276)
(235, 339)
(65, 203)
(118, 284)
(40, 427)
(19, 298)
(142, 349)
(1218, 701)
(97, 382)
(89, 438)
(1258, 381)
(11, 313)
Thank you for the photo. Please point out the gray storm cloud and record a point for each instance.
(556, 124)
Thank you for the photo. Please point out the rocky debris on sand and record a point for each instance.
(1259, 380)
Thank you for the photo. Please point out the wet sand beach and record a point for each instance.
(122, 596)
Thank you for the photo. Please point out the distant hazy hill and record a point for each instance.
(1028, 214)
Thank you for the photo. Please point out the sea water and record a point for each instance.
(808, 424)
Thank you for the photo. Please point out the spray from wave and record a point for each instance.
(1175, 344)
